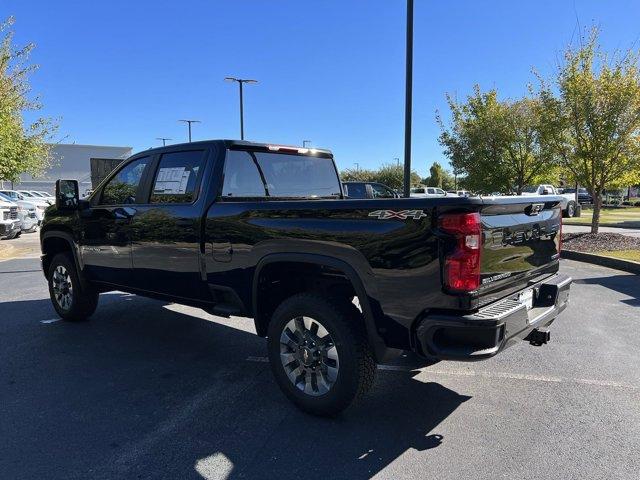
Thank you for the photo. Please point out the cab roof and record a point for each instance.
(243, 144)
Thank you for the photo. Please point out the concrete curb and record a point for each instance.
(584, 224)
(616, 263)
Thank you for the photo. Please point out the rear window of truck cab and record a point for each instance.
(255, 174)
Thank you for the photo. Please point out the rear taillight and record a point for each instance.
(462, 264)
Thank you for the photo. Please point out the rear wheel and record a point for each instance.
(571, 210)
(319, 353)
(69, 297)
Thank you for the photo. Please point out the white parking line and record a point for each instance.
(258, 359)
(52, 320)
(494, 375)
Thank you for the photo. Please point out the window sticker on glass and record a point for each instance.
(172, 181)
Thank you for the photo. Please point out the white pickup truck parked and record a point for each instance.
(568, 199)
(10, 225)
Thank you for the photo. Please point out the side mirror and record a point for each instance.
(67, 194)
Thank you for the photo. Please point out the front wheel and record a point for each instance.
(71, 300)
(319, 353)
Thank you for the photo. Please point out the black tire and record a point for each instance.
(345, 325)
(80, 300)
(570, 211)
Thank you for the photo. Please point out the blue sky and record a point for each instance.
(123, 72)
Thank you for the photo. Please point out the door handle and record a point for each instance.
(123, 215)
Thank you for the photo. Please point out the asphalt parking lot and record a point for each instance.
(154, 390)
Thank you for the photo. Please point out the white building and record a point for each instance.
(71, 161)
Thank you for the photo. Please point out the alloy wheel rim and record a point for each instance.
(309, 356)
(62, 287)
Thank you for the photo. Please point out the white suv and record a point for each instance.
(428, 192)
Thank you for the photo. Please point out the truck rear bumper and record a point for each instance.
(493, 328)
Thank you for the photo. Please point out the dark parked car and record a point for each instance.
(368, 190)
(584, 197)
(264, 231)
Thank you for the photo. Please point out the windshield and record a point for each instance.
(418, 190)
(530, 189)
(26, 194)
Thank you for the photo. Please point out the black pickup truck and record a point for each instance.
(336, 285)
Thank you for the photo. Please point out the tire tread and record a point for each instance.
(354, 333)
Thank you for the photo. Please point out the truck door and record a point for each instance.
(165, 231)
(106, 233)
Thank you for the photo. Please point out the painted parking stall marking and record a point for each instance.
(493, 375)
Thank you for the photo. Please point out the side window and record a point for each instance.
(122, 188)
(439, 191)
(381, 192)
(356, 190)
(430, 191)
(241, 176)
(178, 177)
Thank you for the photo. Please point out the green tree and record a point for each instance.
(448, 181)
(591, 113)
(439, 177)
(392, 175)
(435, 175)
(389, 173)
(23, 147)
(357, 175)
(496, 144)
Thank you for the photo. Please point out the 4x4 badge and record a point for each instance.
(402, 214)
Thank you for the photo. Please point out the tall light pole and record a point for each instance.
(241, 81)
(304, 143)
(189, 122)
(164, 140)
(397, 159)
(408, 101)
(357, 166)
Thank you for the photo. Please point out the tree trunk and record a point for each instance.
(597, 204)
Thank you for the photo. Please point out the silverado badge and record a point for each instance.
(402, 214)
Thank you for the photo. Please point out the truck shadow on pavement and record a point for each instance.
(143, 391)
(619, 283)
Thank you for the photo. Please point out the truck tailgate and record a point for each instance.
(521, 242)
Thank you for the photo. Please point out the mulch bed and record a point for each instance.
(599, 242)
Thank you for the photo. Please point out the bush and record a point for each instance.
(637, 204)
(614, 202)
(628, 204)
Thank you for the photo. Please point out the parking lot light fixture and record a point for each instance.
(241, 82)
(189, 122)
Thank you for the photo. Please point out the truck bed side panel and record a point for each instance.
(397, 259)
